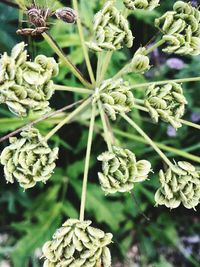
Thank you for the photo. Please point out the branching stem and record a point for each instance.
(87, 162)
(184, 80)
(68, 118)
(85, 50)
(58, 87)
(46, 116)
(49, 39)
(105, 127)
(148, 139)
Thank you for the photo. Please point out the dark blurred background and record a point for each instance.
(28, 219)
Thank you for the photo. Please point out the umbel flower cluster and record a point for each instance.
(181, 28)
(121, 170)
(78, 244)
(111, 30)
(115, 96)
(28, 159)
(141, 4)
(166, 102)
(181, 185)
(26, 85)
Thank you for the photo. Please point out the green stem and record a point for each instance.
(87, 163)
(185, 122)
(85, 50)
(65, 59)
(68, 118)
(106, 64)
(190, 124)
(106, 131)
(141, 85)
(72, 89)
(148, 139)
(153, 47)
(99, 68)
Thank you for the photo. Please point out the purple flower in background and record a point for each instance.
(194, 3)
(175, 63)
(171, 131)
(195, 117)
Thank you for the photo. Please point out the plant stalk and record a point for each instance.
(105, 127)
(68, 118)
(148, 139)
(153, 47)
(65, 59)
(58, 87)
(85, 50)
(87, 162)
(184, 80)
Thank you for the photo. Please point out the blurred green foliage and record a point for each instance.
(29, 218)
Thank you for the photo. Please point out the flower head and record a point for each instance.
(140, 62)
(28, 159)
(179, 185)
(166, 102)
(111, 29)
(120, 170)
(26, 85)
(175, 63)
(181, 29)
(78, 244)
(115, 96)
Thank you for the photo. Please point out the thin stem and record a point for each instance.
(85, 50)
(141, 85)
(148, 139)
(68, 118)
(153, 47)
(87, 163)
(39, 120)
(72, 89)
(188, 123)
(99, 68)
(191, 124)
(65, 59)
(106, 64)
(172, 150)
(105, 127)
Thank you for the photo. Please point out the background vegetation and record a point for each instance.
(28, 219)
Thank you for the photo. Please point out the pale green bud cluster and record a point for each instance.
(78, 244)
(181, 28)
(140, 62)
(28, 159)
(141, 4)
(120, 170)
(26, 85)
(111, 30)
(180, 185)
(115, 96)
(166, 102)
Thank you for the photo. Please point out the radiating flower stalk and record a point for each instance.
(27, 86)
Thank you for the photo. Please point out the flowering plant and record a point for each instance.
(26, 86)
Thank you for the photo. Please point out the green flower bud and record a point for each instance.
(181, 29)
(26, 85)
(180, 184)
(115, 96)
(166, 102)
(120, 170)
(140, 62)
(78, 244)
(28, 159)
(141, 4)
(111, 30)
